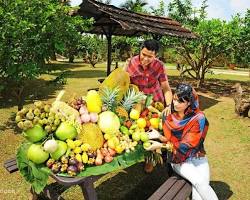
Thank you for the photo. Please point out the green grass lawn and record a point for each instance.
(227, 143)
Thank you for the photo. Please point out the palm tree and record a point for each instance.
(134, 5)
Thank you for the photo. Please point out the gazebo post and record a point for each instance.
(109, 56)
(108, 33)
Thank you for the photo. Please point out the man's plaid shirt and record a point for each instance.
(148, 80)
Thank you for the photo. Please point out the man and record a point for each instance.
(149, 74)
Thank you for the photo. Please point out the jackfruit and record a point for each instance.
(118, 78)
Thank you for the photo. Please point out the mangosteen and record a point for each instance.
(72, 170)
(55, 168)
(73, 161)
(80, 167)
(50, 162)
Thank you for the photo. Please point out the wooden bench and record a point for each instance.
(174, 188)
(86, 184)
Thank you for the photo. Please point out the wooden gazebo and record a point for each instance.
(110, 20)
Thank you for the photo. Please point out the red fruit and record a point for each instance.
(104, 151)
(108, 159)
(155, 115)
(128, 123)
(144, 113)
(148, 124)
(112, 152)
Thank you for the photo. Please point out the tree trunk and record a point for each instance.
(198, 78)
(242, 102)
(19, 94)
(71, 58)
(53, 56)
(200, 82)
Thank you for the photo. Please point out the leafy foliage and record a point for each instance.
(134, 5)
(160, 10)
(29, 36)
(215, 38)
(242, 49)
(93, 48)
(181, 10)
(36, 175)
(124, 47)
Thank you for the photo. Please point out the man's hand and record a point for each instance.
(154, 145)
(167, 111)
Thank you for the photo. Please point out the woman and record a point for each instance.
(186, 129)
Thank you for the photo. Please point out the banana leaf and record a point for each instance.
(36, 175)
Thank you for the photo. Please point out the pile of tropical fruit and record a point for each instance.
(89, 130)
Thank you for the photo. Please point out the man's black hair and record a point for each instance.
(151, 45)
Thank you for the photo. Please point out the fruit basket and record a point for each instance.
(89, 135)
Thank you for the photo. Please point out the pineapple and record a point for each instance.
(109, 97)
(131, 86)
(121, 112)
(138, 107)
(131, 98)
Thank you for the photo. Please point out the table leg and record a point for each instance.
(51, 194)
(33, 195)
(88, 189)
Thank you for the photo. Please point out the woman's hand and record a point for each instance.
(153, 134)
(154, 145)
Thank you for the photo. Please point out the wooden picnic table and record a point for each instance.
(174, 188)
(85, 183)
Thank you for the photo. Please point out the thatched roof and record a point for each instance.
(118, 21)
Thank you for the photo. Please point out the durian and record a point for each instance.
(92, 135)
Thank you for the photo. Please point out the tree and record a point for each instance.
(31, 31)
(160, 10)
(181, 11)
(214, 39)
(134, 5)
(242, 47)
(93, 48)
(124, 47)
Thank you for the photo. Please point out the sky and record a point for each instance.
(222, 9)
